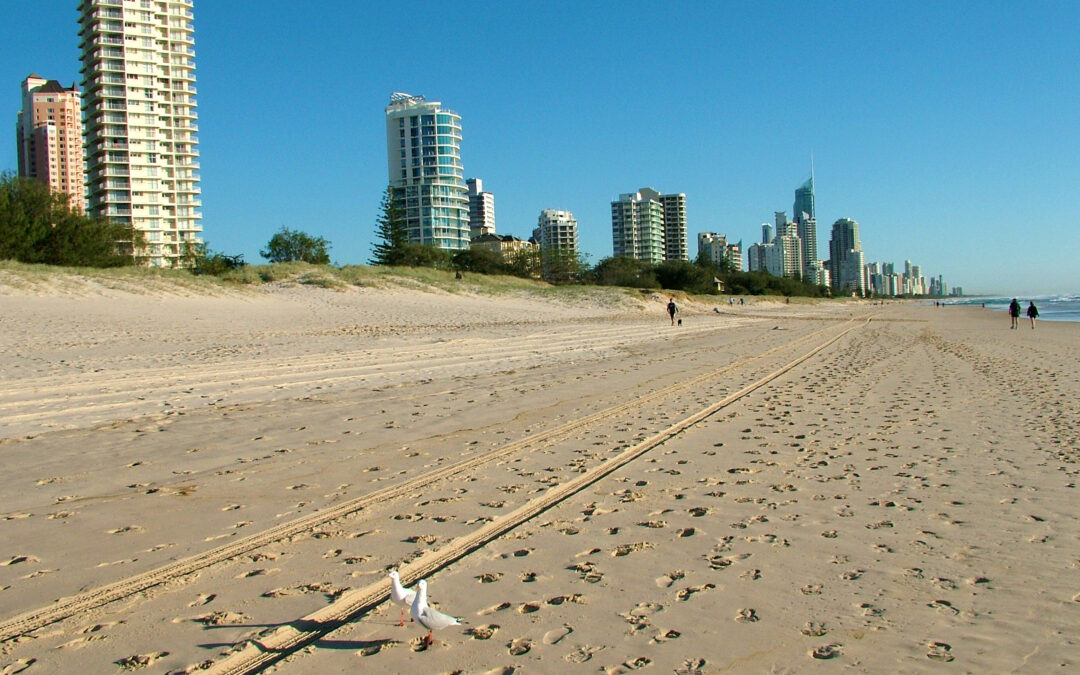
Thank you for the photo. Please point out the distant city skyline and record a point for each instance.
(962, 157)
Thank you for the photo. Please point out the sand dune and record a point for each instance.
(187, 472)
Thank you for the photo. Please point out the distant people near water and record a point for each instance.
(672, 310)
(1033, 313)
(1014, 313)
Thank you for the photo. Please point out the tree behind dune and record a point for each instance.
(295, 246)
(38, 225)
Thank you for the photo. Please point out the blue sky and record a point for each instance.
(948, 130)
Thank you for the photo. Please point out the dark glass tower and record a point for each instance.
(804, 200)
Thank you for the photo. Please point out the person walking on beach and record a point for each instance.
(672, 310)
(1014, 313)
(1032, 313)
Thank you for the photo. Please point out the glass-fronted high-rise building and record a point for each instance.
(806, 222)
(423, 156)
(846, 258)
(804, 200)
(142, 168)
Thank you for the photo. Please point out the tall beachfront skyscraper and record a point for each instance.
(423, 158)
(50, 139)
(806, 224)
(649, 226)
(481, 209)
(804, 200)
(139, 116)
(846, 259)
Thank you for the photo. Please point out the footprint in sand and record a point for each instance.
(127, 529)
(528, 577)
(18, 666)
(747, 615)
(939, 651)
(670, 578)
(557, 635)
(686, 593)
(495, 608)
(632, 664)
(138, 661)
(529, 608)
(627, 549)
(692, 667)
(203, 599)
(16, 559)
(519, 647)
(489, 577)
(483, 632)
(664, 636)
(373, 648)
(222, 618)
(576, 598)
(944, 607)
(814, 629)
(830, 651)
(653, 523)
(639, 615)
(582, 654)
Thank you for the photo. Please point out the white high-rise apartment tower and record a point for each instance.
(423, 158)
(481, 209)
(139, 114)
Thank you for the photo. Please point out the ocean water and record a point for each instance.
(1051, 307)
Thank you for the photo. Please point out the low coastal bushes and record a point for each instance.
(39, 225)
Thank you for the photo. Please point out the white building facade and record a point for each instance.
(423, 156)
(557, 231)
(481, 209)
(139, 117)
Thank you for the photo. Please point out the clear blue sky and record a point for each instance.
(948, 130)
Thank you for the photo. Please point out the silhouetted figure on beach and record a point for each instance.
(672, 310)
(1014, 313)
(1033, 313)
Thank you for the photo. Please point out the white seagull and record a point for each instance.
(400, 595)
(429, 618)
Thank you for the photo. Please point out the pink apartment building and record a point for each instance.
(50, 139)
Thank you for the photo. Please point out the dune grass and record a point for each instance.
(146, 280)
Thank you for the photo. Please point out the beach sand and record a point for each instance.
(902, 497)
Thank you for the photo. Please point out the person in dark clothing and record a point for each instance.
(1014, 313)
(1033, 313)
(672, 310)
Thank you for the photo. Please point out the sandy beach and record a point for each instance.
(220, 482)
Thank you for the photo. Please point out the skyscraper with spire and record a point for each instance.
(806, 223)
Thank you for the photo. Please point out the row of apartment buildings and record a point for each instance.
(126, 147)
(442, 209)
